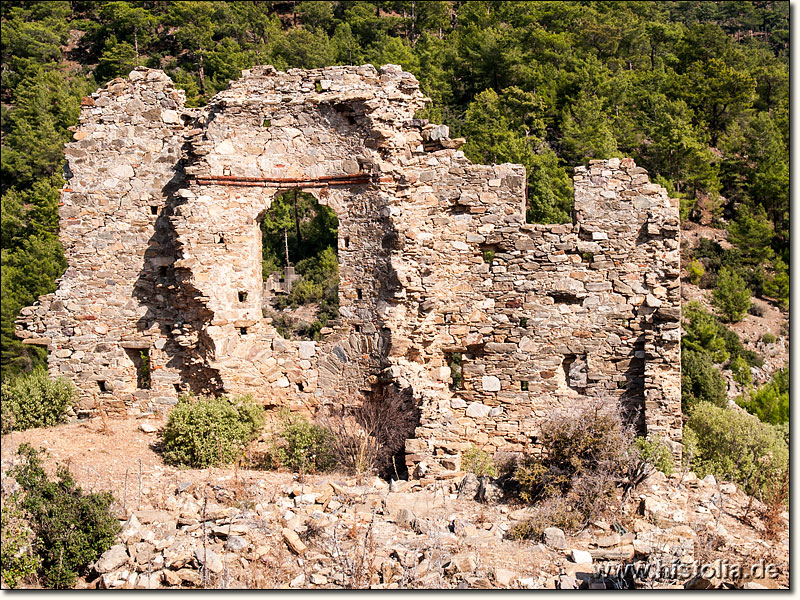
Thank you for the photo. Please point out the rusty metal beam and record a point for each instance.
(284, 182)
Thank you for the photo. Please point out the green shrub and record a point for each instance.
(701, 381)
(478, 462)
(306, 446)
(741, 371)
(770, 403)
(735, 445)
(203, 432)
(72, 529)
(777, 285)
(657, 453)
(583, 458)
(696, 272)
(17, 559)
(35, 400)
(731, 295)
(769, 338)
(706, 333)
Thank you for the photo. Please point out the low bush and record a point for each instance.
(371, 437)
(203, 432)
(583, 458)
(701, 381)
(72, 529)
(769, 338)
(305, 446)
(696, 272)
(35, 400)
(735, 445)
(657, 453)
(18, 561)
(478, 462)
(770, 403)
(741, 371)
(553, 512)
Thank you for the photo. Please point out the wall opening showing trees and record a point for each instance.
(300, 233)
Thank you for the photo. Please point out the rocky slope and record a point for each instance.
(228, 528)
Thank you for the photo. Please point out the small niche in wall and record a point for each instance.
(141, 360)
(178, 388)
(565, 298)
(219, 239)
(102, 385)
(357, 328)
(576, 372)
(162, 274)
(523, 386)
(243, 330)
(359, 294)
(346, 242)
(455, 361)
(242, 296)
(153, 210)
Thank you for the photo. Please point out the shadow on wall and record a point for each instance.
(169, 301)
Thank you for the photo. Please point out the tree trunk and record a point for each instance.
(286, 245)
(136, 42)
(202, 75)
(296, 221)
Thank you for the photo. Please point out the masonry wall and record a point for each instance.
(160, 221)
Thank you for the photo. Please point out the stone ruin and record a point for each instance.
(160, 224)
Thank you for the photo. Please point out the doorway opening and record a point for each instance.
(300, 265)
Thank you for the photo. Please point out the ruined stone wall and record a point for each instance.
(161, 225)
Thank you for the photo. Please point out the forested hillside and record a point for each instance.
(696, 92)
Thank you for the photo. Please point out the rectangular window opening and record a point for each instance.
(154, 210)
(178, 388)
(523, 386)
(454, 361)
(243, 330)
(220, 239)
(359, 294)
(102, 385)
(358, 328)
(162, 274)
(347, 242)
(141, 360)
(242, 296)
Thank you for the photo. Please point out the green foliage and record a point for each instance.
(72, 528)
(35, 400)
(478, 462)
(583, 458)
(204, 432)
(700, 380)
(696, 271)
(731, 295)
(656, 452)
(777, 286)
(741, 371)
(17, 559)
(769, 338)
(488, 256)
(770, 403)
(697, 93)
(306, 446)
(736, 446)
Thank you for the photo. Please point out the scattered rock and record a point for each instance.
(581, 557)
(208, 558)
(112, 559)
(293, 541)
(554, 537)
